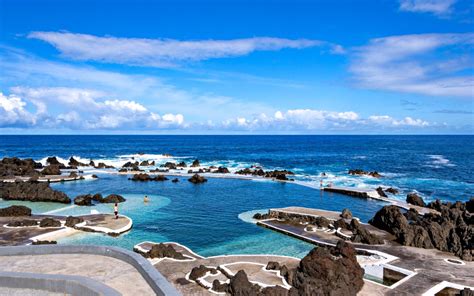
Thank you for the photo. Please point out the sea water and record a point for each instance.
(213, 218)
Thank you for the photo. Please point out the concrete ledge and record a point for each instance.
(156, 280)
(56, 283)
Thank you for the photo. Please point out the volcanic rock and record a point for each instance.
(322, 222)
(74, 162)
(18, 167)
(392, 190)
(195, 163)
(451, 231)
(162, 250)
(51, 170)
(346, 214)
(72, 221)
(181, 164)
(274, 291)
(362, 235)
(222, 170)
(200, 271)
(113, 198)
(415, 199)
(381, 192)
(240, 285)
(15, 211)
(196, 179)
(54, 161)
(23, 223)
(327, 271)
(359, 172)
(83, 200)
(272, 265)
(146, 177)
(31, 191)
(175, 180)
(218, 287)
(169, 165)
(50, 222)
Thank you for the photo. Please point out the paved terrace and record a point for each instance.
(430, 264)
(78, 270)
(253, 265)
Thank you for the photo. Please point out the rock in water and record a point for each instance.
(328, 272)
(392, 190)
(83, 200)
(72, 221)
(113, 198)
(381, 192)
(31, 191)
(196, 179)
(346, 214)
(50, 222)
(195, 163)
(15, 211)
(415, 199)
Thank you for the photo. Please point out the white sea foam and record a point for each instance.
(438, 161)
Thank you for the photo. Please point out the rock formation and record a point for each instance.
(31, 191)
(240, 285)
(23, 223)
(346, 214)
(14, 166)
(195, 163)
(146, 177)
(162, 250)
(50, 222)
(451, 231)
(415, 199)
(83, 200)
(74, 162)
(15, 211)
(361, 235)
(175, 180)
(381, 192)
(113, 198)
(72, 221)
(200, 271)
(359, 172)
(222, 170)
(196, 179)
(51, 170)
(327, 271)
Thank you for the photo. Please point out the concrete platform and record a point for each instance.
(105, 223)
(253, 265)
(429, 264)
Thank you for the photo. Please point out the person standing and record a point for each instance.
(116, 210)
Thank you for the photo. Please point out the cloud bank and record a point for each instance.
(427, 64)
(164, 52)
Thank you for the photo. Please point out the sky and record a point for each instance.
(237, 67)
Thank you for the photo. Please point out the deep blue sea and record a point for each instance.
(212, 218)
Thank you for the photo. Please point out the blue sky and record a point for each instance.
(237, 67)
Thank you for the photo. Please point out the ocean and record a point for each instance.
(214, 218)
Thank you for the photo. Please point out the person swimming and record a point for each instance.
(146, 199)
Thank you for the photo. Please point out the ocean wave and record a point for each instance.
(438, 161)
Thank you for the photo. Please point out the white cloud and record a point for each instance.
(428, 64)
(310, 120)
(386, 120)
(13, 112)
(95, 110)
(165, 52)
(437, 7)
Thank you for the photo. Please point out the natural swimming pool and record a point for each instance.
(204, 217)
